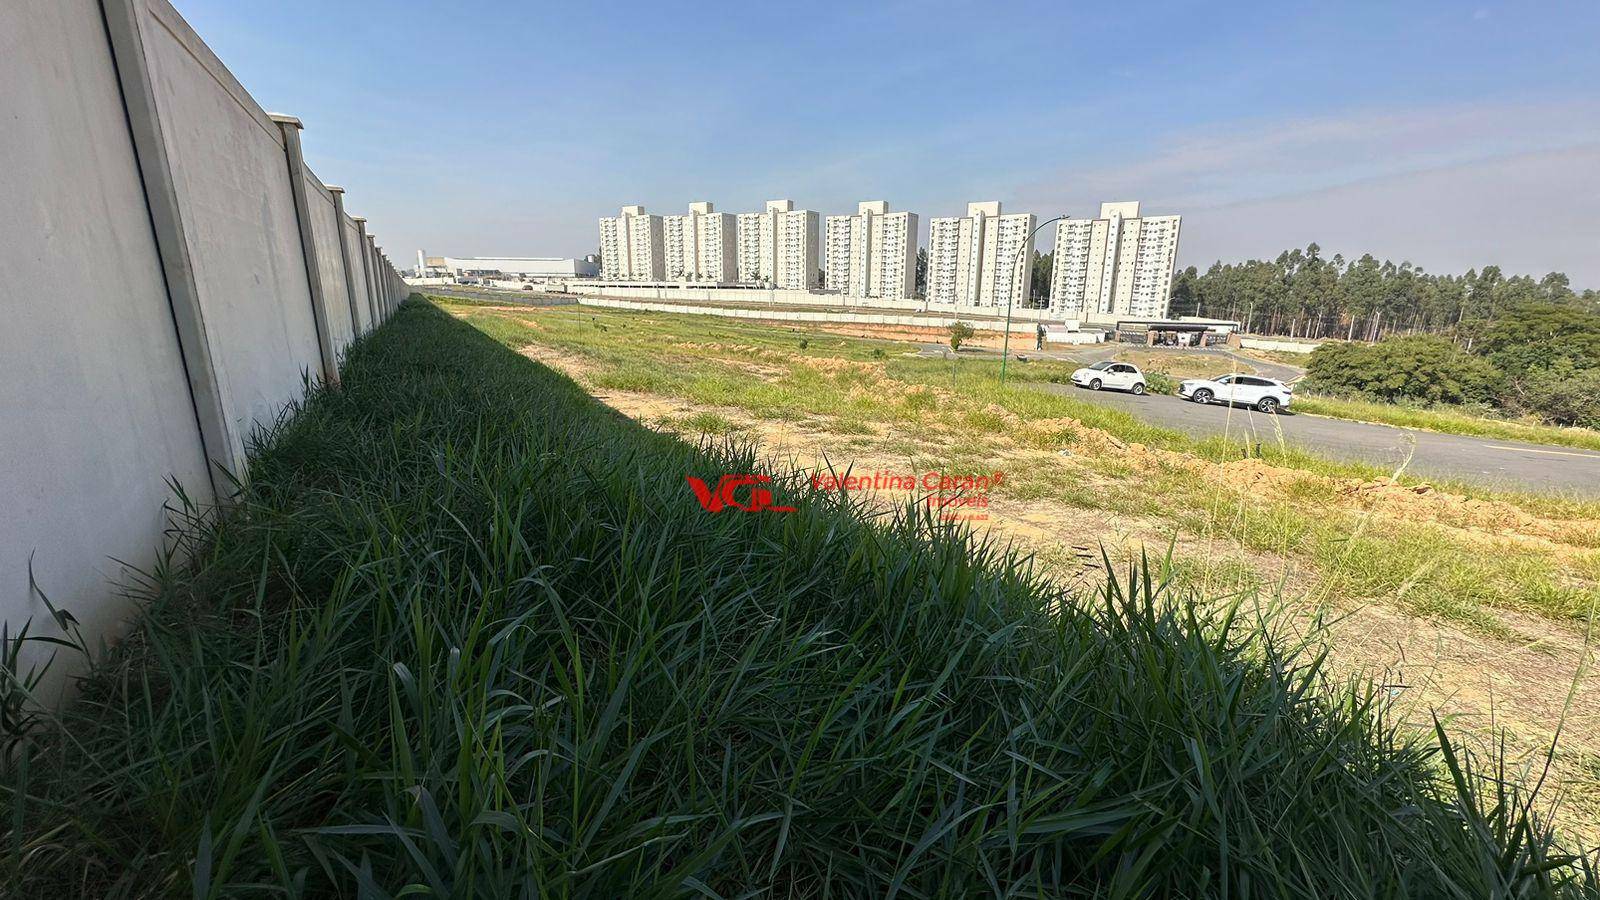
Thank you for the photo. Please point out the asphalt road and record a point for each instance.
(1484, 461)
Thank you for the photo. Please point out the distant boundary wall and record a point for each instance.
(1280, 346)
(754, 296)
(777, 314)
(175, 271)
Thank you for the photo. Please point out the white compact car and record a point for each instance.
(1115, 375)
(1251, 390)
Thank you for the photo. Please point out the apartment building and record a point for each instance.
(699, 246)
(973, 260)
(872, 253)
(1119, 264)
(678, 245)
(632, 246)
(836, 253)
(717, 243)
(781, 246)
(748, 247)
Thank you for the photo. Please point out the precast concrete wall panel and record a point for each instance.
(95, 410)
(232, 177)
(357, 275)
(330, 262)
(160, 301)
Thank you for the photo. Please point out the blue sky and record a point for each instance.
(1449, 134)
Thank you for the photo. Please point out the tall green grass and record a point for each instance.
(468, 634)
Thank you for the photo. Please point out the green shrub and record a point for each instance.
(960, 333)
(1160, 383)
(1560, 395)
(1420, 367)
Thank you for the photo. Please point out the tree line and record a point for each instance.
(1302, 294)
(1535, 358)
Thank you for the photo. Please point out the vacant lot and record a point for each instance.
(1179, 364)
(1473, 602)
(466, 634)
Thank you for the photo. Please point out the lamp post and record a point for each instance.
(1011, 296)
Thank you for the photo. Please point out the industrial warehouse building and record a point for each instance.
(514, 268)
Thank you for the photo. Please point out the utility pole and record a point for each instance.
(1011, 295)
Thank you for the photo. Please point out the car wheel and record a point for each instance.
(1268, 405)
(1202, 396)
(1094, 385)
(1138, 388)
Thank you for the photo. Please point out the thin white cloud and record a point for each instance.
(1226, 164)
(1528, 213)
(1510, 184)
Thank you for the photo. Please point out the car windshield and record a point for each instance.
(1102, 366)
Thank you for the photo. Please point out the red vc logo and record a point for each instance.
(759, 499)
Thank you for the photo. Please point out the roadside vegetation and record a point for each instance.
(1537, 362)
(467, 633)
(1447, 420)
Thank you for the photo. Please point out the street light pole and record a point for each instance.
(1011, 296)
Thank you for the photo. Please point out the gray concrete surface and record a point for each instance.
(130, 163)
(1484, 461)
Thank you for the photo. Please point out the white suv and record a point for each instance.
(1108, 374)
(1251, 390)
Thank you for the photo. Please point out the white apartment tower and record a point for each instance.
(632, 246)
(717, 240)
(1119, 264)
(780, 246)
(700, 245)
(748, 247)
(678, 246)
(872, 253)
(973, 259)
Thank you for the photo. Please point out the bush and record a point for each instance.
(1560, 395)
(1160, 383)
(960, 333)
(1420, 367)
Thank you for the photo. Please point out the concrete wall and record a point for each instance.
(330, 262)
(1284, 346)
(356, 271)
(239, 222)
(160, 293)
(688, 293)
(912, 320)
